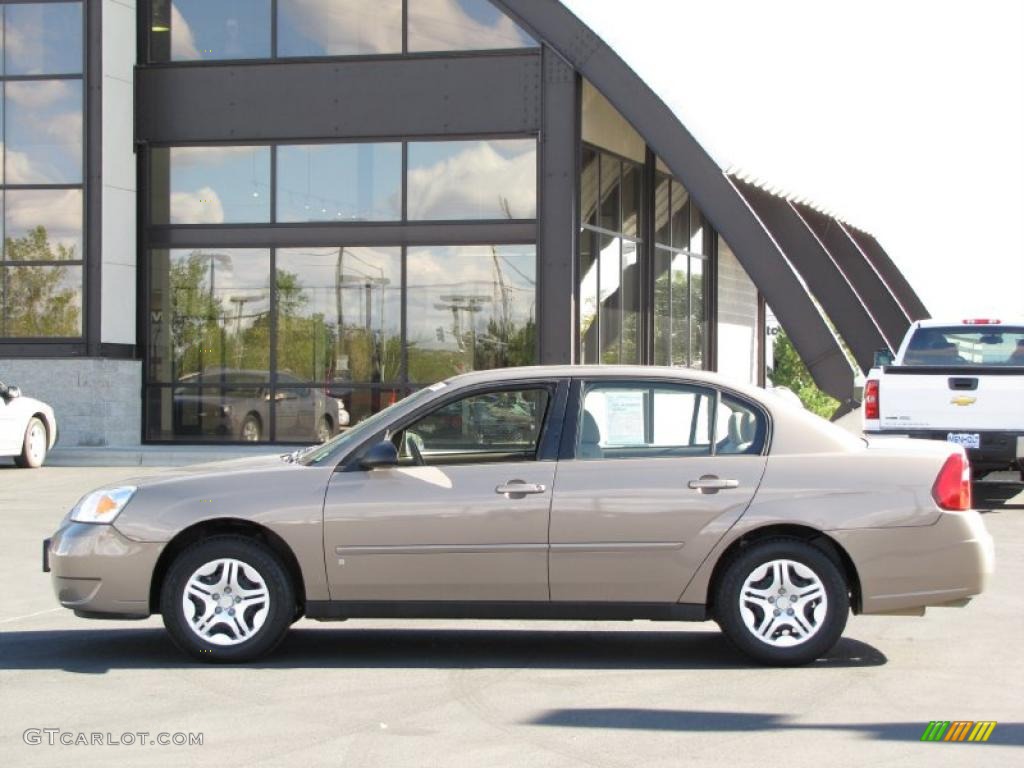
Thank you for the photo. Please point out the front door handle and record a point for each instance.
(712, 484)
(516, 489)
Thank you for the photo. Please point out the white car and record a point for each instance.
(28, 428)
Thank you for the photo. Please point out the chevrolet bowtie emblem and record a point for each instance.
(964, 400)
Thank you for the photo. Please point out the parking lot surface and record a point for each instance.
(391, 693)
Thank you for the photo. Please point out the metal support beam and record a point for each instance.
(873, 292)
(912, 305)
(556, 251)
(816, 266)
(553, 23)
(491, 93)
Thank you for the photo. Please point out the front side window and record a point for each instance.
(498, 426)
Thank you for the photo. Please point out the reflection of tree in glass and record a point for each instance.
(37, 299)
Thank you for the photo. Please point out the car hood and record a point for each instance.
(208, 470)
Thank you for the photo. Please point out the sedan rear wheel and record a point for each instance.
(227, 599)
(783, 601)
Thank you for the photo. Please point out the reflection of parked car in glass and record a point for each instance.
(235, 405)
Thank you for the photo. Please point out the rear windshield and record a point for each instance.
(958, 346)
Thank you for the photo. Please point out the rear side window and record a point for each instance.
(989, 345)
(621, 421)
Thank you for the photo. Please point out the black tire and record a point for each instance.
(252, 429)
(829, 629)
(280, 615)
(28, 459)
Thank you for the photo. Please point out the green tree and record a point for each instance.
(789, 371)
(37, 300)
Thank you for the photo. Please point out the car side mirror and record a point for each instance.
(9, 393)
(382, 455)
(883, 357)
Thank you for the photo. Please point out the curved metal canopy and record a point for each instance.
(780, 258)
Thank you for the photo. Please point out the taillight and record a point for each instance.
(952, 489)
(872, 406)
(982, 321)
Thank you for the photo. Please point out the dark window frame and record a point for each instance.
(88, 288)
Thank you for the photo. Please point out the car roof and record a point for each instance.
(640, 372)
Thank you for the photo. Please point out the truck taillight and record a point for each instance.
(952, 489)
(982, 321)
(871, 403)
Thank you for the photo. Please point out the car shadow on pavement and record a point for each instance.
(97, 651)
(703, 721)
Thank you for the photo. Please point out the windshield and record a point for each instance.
(990, 345)
(318, 454)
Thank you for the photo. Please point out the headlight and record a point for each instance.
(102, 506)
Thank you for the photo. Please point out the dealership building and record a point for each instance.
(259, 220)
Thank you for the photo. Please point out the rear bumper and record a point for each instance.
(98, 572)
(907, 568)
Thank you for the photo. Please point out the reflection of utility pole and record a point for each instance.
(459, 303)
(241, 301)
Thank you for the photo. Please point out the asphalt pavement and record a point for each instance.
(502, 693)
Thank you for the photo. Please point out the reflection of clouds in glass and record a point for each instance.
(44, 132)
(183, 44)
(43, 39)
(59, 211)
(473, 180)
(339, 182)
(339, 27)
(200, 207)
(43, 93)
(219, 185)
(500, 280)
(454, 25)
(224, 29)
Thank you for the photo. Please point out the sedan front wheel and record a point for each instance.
(783, 602)
(227, 599)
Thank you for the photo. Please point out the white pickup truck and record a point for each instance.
(962, 382)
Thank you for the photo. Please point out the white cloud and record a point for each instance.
(347, 26)
(193, 157)
(40, 94)
(442, 25)
(200, 207)
(476, 179)
(183, 44)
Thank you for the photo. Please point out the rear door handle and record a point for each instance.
(712, 484)
(518, 488)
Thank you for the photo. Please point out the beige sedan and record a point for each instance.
(542, 493)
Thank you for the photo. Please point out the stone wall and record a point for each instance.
(97, 402)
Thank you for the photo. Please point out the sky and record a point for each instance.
(904, 118)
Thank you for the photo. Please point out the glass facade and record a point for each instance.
(646, 254)
(475, 179)
(217, 30)
(41, 170)
(294, 344)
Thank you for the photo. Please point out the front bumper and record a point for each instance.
(100, 573)
(902, 569)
